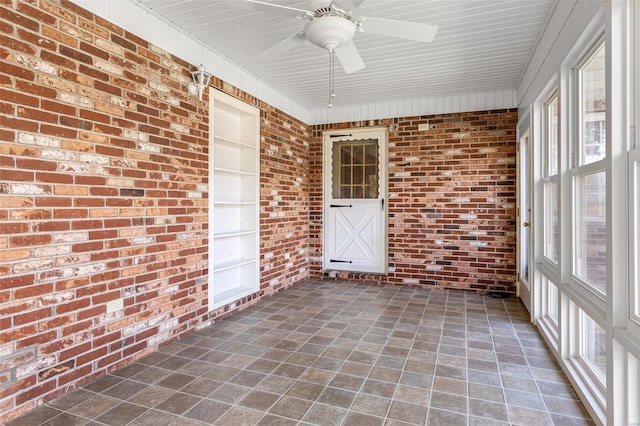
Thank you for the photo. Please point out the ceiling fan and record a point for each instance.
(332, 26)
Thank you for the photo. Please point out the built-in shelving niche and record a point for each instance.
(234, 209)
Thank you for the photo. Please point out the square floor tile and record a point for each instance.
(207, 411)
(178, 403)
(329, 352)
(121, 414)
(409, 413)
(337, 397)
(324, 415)
(259, 400)
(290, 407)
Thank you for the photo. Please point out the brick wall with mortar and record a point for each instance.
(103, 195)
(452, 201)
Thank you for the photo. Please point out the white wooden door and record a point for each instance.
(524, 214)
(355, 190)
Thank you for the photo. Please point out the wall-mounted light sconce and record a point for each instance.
(200, 82)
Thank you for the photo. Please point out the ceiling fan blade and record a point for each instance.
(349, 5)
(285, 45)
(261, 6)
(399, 29)
(349, 57)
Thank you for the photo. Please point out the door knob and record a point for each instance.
(526, 224)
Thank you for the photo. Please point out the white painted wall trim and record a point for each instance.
(498, 99)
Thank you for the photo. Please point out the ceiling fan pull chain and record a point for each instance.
(331, 92)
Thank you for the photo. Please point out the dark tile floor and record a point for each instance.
(333, 353)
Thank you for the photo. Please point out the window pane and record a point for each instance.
(358, 154)
(551, 222)
(549, 300)
(355, 169)
(552, 137)
(358, 175)
(552, 301)
(371, 152)
(345, 152)
(593, 108)
(590, 230)
(635, 239)
(345, 175)
(593, 347)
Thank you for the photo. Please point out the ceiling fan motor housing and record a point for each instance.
(330, 32)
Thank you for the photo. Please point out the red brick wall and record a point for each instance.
(103, 194)
(452, 201)
(284, 199)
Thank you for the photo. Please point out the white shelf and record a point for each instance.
(234, 187)
(233, 171)
(234, 210)
(230, 234)
(232, 142)
(234, 203)
(231, 295)
(233, 264)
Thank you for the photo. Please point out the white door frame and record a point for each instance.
(524, 284)
(340, 135)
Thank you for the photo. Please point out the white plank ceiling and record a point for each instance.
(481, 46)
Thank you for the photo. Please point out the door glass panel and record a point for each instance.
(593, 108)
(358, 154)
(371, 151)
(590, 230)
(355, 169)
(345, 175)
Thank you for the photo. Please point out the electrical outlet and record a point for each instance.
(115, 305)
(423, 127)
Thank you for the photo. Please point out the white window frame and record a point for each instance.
(546, 176)
(593, 370)
(576, 170)
(615, 402)
(632, 388)
(589, 383)
(634, 240)
(633, 168)
(547, 323)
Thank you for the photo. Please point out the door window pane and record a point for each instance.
(593, 108)
(355, 169)
(593, 346)
(590, 230)
(551, 221)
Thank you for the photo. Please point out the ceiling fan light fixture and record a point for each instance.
(330, 32)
